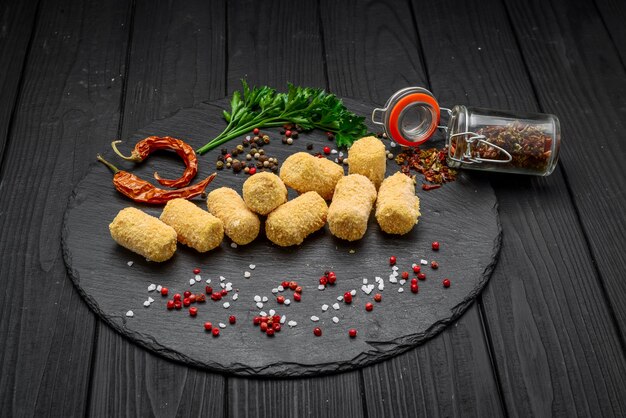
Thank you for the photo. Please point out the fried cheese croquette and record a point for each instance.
(350, 209)
(304, 173)
(292, 222)
(194, 226)
(397, 207)
(367, 156)
(264, 192)
(240, 224)
(143, 234)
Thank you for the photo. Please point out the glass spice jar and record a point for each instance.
(476, 138)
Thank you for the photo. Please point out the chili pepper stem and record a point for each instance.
(117, 151)
(113, 168)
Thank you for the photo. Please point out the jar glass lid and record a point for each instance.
(410, 116)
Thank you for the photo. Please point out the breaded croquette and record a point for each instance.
(397, 208)
(304, 173)
(292, 222)
(194, 226)
(240, 223)
(264, 192)
(367, 156)
(143, 234)
(351, 206)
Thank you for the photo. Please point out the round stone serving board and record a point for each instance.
(461, 215)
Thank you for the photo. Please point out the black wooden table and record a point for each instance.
(546, 337)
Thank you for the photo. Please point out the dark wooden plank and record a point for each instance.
(176, 60)
(17, 20)
(578, 75)
(613, 14)
(69, 104)
(555, 345)
(275, 54)
(373, 50)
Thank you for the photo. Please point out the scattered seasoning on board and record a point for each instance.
(431, 163)
(251, 160)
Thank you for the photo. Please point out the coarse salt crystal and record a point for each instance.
(208, 281)
(233, 245)
(130, 314)
(321, 287)
(324, 307)
(280, 288)
(335, 320)
(353, 292)
(314, 318)
(287, 302)
(198, 278)
(364, 288)
(395, 268)
(378, 279)
(262, 313)
(400, 289)
(246, 274)
(337, 160)
(392, 144)
(272, 312)
(381, 286)
(333, 151)
(226, 305)
(236, 296)
(283, 319)
(393, 280)
(265, 299)
(274, 290)
(257, 298)
(395, 274)
(402, 282)
(259, 305)
(364, 280)
(336, 306)
(222, 285)
(159, 287)
(252, 266)
(423, 262)
(339, 298)
(130, 263)
(222, 325)
(292, 323)
(150, 300)
(229, 286)
(222, 278)
(192, 282)
(146, 304)
(151, 287)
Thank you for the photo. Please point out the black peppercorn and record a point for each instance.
(309, 146)
(224, 151)
(282, 132)
(294, 135)
(274, 168)
(284, 140)
(236, 166)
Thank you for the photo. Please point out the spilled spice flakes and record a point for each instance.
(431, 163)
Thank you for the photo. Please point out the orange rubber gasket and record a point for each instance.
(399, 107)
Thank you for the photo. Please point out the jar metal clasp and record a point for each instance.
(474, 139)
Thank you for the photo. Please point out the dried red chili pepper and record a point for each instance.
(428, 187)
(146, 146)
(141, 191)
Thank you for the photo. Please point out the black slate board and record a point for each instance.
(462, 216)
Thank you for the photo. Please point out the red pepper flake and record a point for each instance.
(428, 187)
(431, 163)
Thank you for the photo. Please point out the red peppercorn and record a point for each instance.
(256, 131)
(446, 282)
(196, 271)
(435, 246)
(392, 260)
(352, 333)
(164, 291)
(232, 319)
(434, 265)
(287, 133)
(208, 290)
(177, 297)
(293, 285)
(193, 311)
(298, 289)
(208, 326)
(276, 326)
(192, 298)
(252, 170)
(280, 299)
(270, 332)
(297, 297)
(421, 276)
(186, 302)
(178, 305)
(200, 298)
(216, 296)
(276, 318)
(264, 319)
(326, 150)
(405, 275)
(256, 320)
(347, 297)
(414, 288)
(378, 297)
(369, 306)
(187, 293)
(216, 332)
(416, 269)
(170, 305)
(224, 292)
(413, 280)
(263, 326)
(317, 331)
(227, 156)
(323, 280)
(285, 284)
(332, 277)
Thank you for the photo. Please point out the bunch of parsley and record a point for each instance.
(263, 107)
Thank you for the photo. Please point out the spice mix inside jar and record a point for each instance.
(476, 138)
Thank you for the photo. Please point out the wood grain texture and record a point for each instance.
(176, 60)
(371, 57)
(578, 76)
(556, 349)
(613, 14)
(68, 104)
(17, 20)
